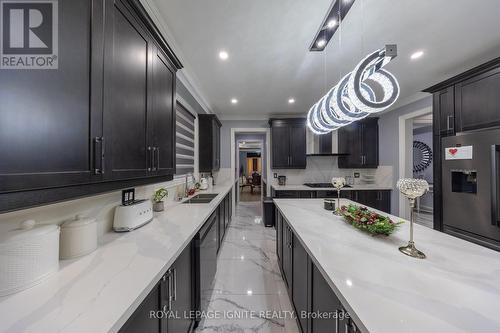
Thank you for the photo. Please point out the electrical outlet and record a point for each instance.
(275, 175)
(128, 196)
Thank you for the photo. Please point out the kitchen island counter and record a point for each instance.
(456, 289)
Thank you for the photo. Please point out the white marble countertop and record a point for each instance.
(456, 289)
(352, 188)
(98, 292)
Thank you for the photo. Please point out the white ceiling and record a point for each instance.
(268, 40)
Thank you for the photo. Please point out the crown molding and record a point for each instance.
(185, 75)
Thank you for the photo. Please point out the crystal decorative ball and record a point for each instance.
(338, 182)
(412, 188)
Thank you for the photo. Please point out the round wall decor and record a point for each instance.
(422, 156)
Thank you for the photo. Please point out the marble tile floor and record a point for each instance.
(246, 195)
(249, 295)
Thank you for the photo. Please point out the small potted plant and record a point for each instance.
(159, 195)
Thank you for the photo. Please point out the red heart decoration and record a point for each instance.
(453, 151)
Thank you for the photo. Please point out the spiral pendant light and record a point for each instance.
(353, 98)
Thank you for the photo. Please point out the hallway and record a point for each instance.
(248, 280)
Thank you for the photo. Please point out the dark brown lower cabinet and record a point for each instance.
(300, 269)
(287, 256)
(140, 320)
(220, 224)
(309, 291)
(324, 300)
(287, 194)
(279, 236)
(182, 293)
(164, 309)
(378, 199)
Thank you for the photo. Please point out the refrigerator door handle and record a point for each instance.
(495, 150)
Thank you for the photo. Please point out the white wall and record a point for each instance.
(389, 143)
(225, 136)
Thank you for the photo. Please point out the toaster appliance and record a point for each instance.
(132, 216)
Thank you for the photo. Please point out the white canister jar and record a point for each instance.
(78, 237)
(27, 256)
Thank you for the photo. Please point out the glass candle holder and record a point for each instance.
(412, 189)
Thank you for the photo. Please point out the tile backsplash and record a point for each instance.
(323, 169)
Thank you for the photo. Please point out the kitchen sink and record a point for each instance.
(206, 195)
(201, 198)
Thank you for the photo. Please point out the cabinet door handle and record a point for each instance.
(337, 322)
(155, 149)
(449, 128)
(150, 158)
(166, 279)
(169, 289)
(100, 157)
(157, 158)
(175, 284)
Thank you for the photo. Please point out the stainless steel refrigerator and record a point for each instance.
(470, 180)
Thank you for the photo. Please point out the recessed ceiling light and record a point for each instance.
(332, 23)
(321, 43)
(417, 55)
(234, 101)
(291, 101)
(223, 55)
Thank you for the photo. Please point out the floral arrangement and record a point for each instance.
(160, 194)
(369, 221)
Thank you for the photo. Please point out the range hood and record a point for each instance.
(323, 145)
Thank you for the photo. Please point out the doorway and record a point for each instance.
(416, 161)
(251, 142)
(250, 170)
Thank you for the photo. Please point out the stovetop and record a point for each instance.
(321, 185)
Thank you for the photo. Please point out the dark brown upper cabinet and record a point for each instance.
(444, 105)
(360, 141)
(288, 141)
(209, 142)
(47, 117)
(163, 114)
(477, 101)
(127, 97)
(468, 101)
(103, 120)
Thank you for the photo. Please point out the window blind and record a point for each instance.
(184, 145)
